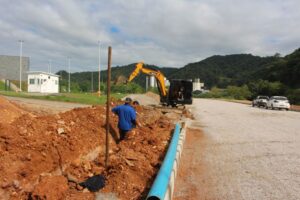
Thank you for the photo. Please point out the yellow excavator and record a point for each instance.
(179, 92)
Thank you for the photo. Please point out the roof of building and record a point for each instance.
(40, 72)
(13, 56)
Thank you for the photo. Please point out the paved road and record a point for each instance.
(241, 153)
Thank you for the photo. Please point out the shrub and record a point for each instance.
(294, 96)
(263, 87)
(213, 93)
(236, 92)
(127, 88)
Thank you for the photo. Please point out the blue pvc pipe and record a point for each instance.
(160, 185)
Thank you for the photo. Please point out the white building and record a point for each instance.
(197, 85)
(43, 82)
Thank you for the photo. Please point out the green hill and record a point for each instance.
(285, 70)
(222, 71)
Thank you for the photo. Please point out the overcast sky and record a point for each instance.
(162, 32)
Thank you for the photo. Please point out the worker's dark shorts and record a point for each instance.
(123, 134)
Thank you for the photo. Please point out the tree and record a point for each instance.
(264, 87)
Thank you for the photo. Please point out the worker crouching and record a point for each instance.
(127, 118)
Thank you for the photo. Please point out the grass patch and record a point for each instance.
(84, 98)
(17, 83)
(2, 86)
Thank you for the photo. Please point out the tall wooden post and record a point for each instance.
(99, 77)
(107, 108)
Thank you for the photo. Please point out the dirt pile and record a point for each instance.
(44, 157)
(9, 111)
(153, 95)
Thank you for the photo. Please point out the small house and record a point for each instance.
(43, 82)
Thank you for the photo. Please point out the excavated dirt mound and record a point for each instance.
(45, 157)
(9, 111)
(153, 95)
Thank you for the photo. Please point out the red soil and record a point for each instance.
(42, 157)
(9, 111)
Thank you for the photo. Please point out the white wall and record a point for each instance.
(34, 87)
(197, 85)
(43, 83)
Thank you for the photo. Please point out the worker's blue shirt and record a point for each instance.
(127, 116)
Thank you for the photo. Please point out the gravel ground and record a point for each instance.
(44, 106)
(242, 153)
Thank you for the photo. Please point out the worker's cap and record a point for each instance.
(128, 100)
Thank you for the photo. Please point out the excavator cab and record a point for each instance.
(180, 92)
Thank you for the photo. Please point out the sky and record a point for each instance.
(166, 33)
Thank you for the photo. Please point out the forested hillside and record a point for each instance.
(222, 71)
(285, 70)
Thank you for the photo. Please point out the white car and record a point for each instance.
(260, 101)
(279, 102)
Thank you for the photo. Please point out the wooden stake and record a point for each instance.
(108, 108)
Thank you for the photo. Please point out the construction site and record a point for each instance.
(197, 100)
(78, 152)
(46, 156)
(178, 147)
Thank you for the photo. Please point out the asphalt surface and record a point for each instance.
(235, 151)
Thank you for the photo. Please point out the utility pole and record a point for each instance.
(49, 66)
(147, 79)
(21, 48)
(69, 63)
(92, 83)
(99, 89)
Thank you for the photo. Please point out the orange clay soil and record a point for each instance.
(44, 157)
(9, 111)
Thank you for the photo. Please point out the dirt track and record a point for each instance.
(42, 107)
(242, 153)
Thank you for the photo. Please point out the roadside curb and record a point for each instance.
(163, 186)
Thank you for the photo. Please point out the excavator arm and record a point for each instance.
(160, 78)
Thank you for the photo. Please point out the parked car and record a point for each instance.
(278, 102)
(260, 101)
